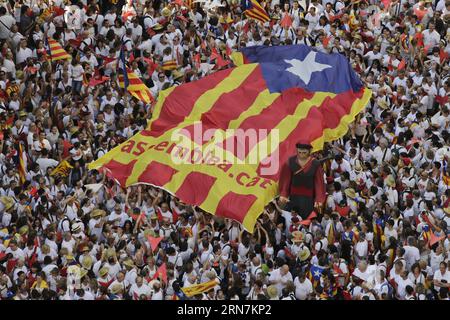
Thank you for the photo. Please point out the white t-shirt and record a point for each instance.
(439, 276)
(412, 255)
(280, 280)
(7, 22)
(302, 290)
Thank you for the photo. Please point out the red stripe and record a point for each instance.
(180, 102)
(318, 119)
(60, 54)
(120, 171)
(258, 8)
(157, 173)
(255, 15)
(134, 81)
(139, 94)
(195, 188)
(235, 206)
(268, 119)
(230, 105)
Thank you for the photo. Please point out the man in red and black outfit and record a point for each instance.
(302, 181)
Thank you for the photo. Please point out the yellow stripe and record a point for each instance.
(207, 100)
(144, 95)
(159, 104)
(289, 123)
(254, 15)
(238, 58)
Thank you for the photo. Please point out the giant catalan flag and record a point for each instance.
(219, 142)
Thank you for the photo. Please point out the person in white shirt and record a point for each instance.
(430, 36)
(77, 72)
(280, 277)
(412, 253)
(118, 217)
(6, 23)
(23, 52)
(313, 19)
(441, 277)
(140, 290)
(303, 287)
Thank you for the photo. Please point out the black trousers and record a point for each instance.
(304, 204)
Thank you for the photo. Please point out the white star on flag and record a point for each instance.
(316, 274)
(304, 69)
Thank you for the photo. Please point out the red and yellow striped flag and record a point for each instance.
(257, 111)
(169, 65)
(136, 87)
(55, 51)
(22, 164)
(253, 9)
(199, 288)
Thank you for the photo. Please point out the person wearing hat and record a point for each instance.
(301, 181)
(104, 279)
(131, 272)
(116, 292)
(297, 243)
(177, 77)
(272, 292)
(86, 260)
(303, 255)
(391, 192)
(96, 222)
(6, 204)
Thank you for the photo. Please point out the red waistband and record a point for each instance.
(301, 191)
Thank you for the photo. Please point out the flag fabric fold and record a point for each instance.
(289, 92)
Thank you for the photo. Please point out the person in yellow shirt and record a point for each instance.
(40, 284)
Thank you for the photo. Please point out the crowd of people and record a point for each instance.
(382, 233)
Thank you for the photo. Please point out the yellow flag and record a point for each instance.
(199, 288)
(63, 169)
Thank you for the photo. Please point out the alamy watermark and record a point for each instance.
(231, 146)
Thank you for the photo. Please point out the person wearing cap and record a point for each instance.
(302, 181)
